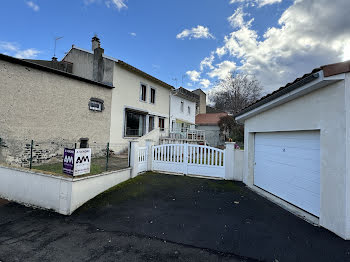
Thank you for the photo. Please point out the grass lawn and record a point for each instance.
(98, 166)
(57, 168)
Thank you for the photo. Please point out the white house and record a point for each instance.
(297, 147)
(140, 102)
(183, 109)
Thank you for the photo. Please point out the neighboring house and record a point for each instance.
(297, 146)
(50, 106)
(182, 109)
(54, 64)
(209, 123)
(140, 102)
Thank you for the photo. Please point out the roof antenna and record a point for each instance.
(54, 52)
(182, 79)
(175, 79)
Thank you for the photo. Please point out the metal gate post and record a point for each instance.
(31, 154)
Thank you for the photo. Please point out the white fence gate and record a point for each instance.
(189, 159)
(142, 157)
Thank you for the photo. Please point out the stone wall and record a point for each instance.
(51, 109)
(17, 153)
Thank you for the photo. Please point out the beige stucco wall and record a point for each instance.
(45, 106)
(324, 110)
(83, 65)
(127, 95)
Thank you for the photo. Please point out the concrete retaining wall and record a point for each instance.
(61, 194)
(86, 188)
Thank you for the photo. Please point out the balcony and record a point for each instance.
(183, 135)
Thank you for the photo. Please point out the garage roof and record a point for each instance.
(328, 70)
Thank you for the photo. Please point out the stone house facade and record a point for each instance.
(54, 108)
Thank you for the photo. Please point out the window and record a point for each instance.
(189, 110)
(161, 124)
(151, 123)
(96, 104)
(153, 96)
(143, 95)
(182, 106)
(135, 124)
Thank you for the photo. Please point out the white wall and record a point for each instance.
(324, 110)
(41, 190)
(238, 165)
(86, 188)
(61, 194)
(126, 94)
(176, 113)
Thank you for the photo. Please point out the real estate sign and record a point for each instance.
(77, 161)
(68, 161)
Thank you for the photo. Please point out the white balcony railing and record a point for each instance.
(184, 134)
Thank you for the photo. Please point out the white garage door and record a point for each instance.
(287, 164)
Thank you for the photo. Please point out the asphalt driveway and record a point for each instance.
(158, 217)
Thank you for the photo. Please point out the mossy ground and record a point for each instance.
(151, 184)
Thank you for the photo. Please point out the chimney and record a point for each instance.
(202, 103)
(95, 42)
(98, 62)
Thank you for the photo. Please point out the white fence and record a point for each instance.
(189, 159)
(142, 156)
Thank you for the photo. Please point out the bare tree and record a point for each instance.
(235, 92)
(232, 94)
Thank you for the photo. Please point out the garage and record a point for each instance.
(297, 147)
(287, 165)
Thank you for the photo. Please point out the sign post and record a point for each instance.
(77, 162)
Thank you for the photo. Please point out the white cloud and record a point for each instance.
(346, 52)
(220, 51)
(33, 6)
(260, 3)
(222, 70)
(305, 38)
(13, 49)
(205, 83)
(196, 32)
(194, 75)
(133, 34)
(119, 4)
(207, 62)
(237, 19)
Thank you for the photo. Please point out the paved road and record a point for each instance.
(167, 218)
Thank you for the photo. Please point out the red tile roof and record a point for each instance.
(209, 119)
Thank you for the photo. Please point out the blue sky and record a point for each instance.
(199, 41)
